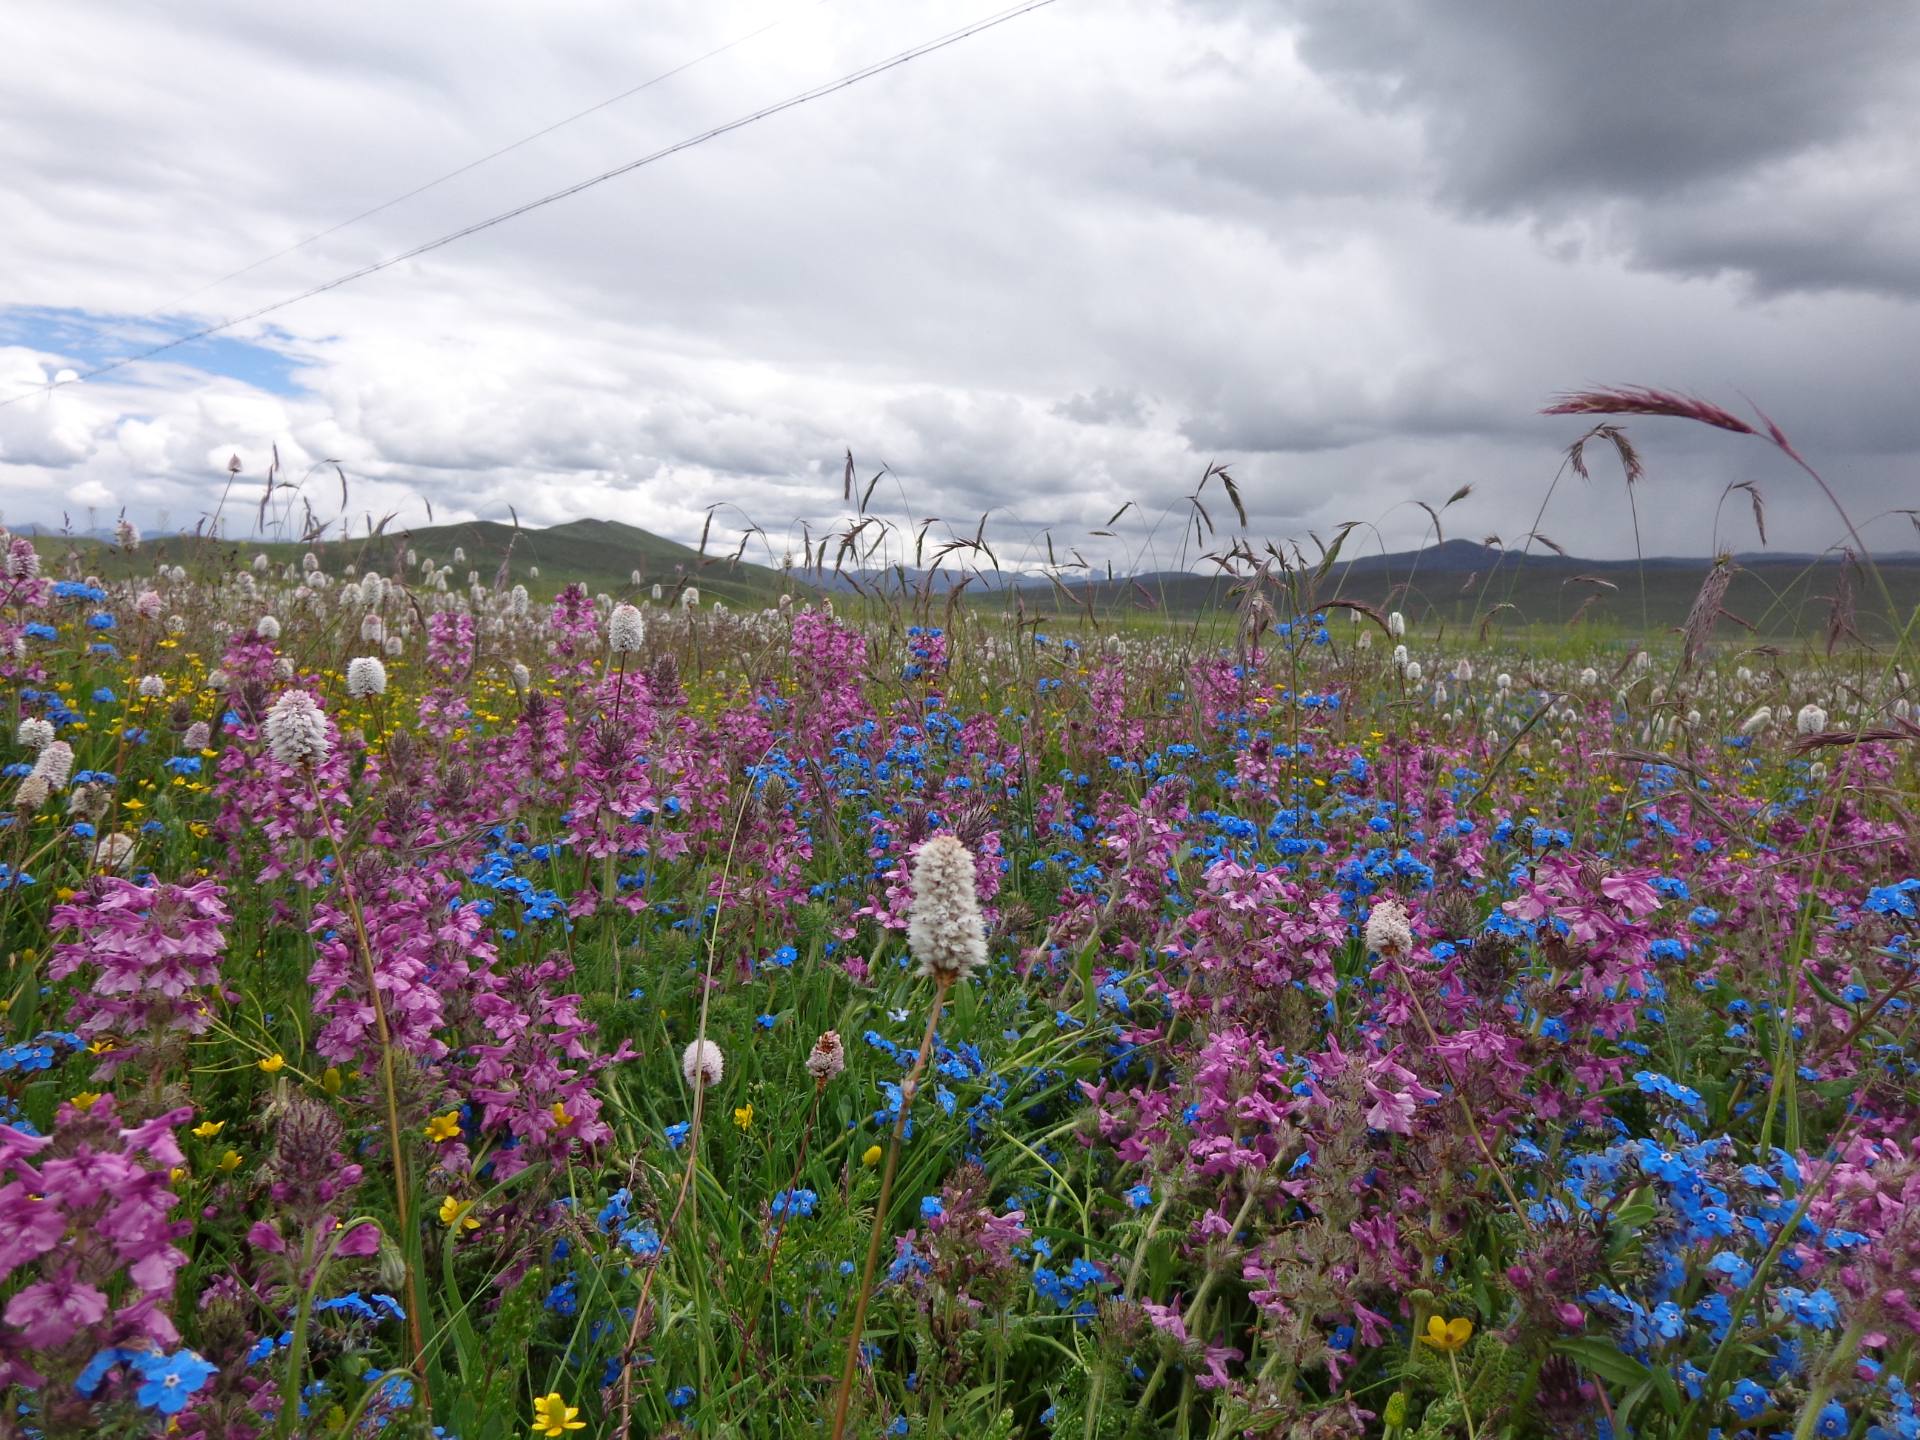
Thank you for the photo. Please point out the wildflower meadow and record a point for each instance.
(502, 1009)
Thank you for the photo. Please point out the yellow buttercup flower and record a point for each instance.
(330, 1080)
(85, 1099)
(559, 1112)
(1447, 1334)
(453, 1213)
(274, 1063)
(207, 1129)
(552, 1416)
(230, 1161)
(100, 1046)
(444, 1127)
(743, 1116)
(872, 1157)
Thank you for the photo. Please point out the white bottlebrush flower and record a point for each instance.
(267, 628)
(127, 534)
(1400, 657)
(828, 1057)
(309, 562)
(657, 592)
(366, 675)
(55, 764)
(260, 563)
(944, 930)
(1757, 721)
(519, 602)
(633, 579)
(626, 630)
(1818, 770)
(282, 668)
(1589, 677)
(23, 561)
(393, 645)
(690, 598)
(702, 1063)
(522, 677)
(149, 605)
(534, 571)
(373, 589)
(31, 795)
(1396, 624)
(297, 729)
(197, 736)
(35, 733)
(1389, 932)
(1503, 681)
(218, 679)
(1414, 671)
(112, 852)
(151, 687)
(1463, 672)
(1810, 721)
(372, 628)
(176, 624)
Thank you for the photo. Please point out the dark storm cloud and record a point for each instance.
(1770, 139)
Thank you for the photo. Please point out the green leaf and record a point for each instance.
(1605, 1360)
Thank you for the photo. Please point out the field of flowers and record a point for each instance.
(434, 1009)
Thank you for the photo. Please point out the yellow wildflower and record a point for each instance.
(85, 1100)
(207, 1129)
(444, 1127)
(743, 1116)
(1447, 1334)
(872, 1157)
(230, 1161)
(453, 1213)
(552, 1416)
(274, 1063)
(559, 1112)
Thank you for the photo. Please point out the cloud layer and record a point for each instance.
(1349, 250)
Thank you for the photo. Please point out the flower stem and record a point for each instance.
(907, 1090)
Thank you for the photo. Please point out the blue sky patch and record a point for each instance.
(86, 339)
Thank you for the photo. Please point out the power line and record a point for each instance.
(475, 164)
(854, 77)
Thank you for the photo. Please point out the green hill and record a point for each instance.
(1458, 585)
(602, 554)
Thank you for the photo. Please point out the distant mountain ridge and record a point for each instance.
(1457, 582)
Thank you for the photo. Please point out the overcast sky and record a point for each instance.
(1348, 247)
